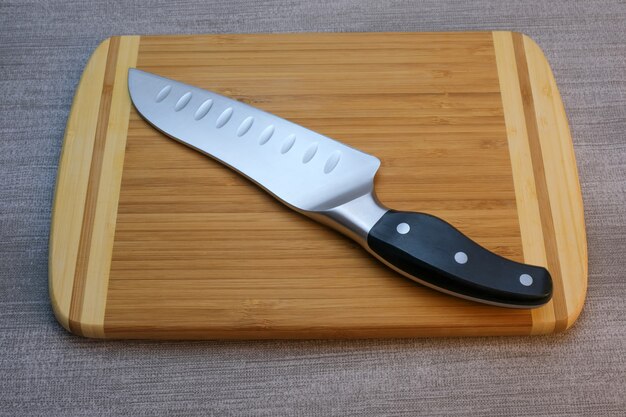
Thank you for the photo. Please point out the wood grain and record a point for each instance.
(103, 225)
(91, 199)
(85, 212)
(463, 127)
(532, 234)
(71, 186)
(562, 185)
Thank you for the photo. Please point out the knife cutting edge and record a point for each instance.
(334, 184)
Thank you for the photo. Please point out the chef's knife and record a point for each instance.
(334, 184)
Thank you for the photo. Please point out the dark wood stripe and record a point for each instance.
(95, 170)
(541, 184)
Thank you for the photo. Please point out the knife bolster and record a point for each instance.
(355, 218)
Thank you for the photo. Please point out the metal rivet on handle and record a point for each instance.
(526, 280)
(403, 228)
(460, 258)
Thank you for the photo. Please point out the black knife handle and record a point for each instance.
(437, 254)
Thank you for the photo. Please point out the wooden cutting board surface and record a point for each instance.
(153, 240)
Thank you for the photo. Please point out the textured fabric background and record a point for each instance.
(45, 371)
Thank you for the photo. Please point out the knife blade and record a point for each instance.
(333, 183)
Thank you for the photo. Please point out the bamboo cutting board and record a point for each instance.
(153, 240)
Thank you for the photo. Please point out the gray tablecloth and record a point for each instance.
(45, 371)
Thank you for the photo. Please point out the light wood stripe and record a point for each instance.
(71, 184)
(97, 278)
(562, 185)
(84, 245)
(523, 174)
(544, 197)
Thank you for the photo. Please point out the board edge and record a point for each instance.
(571, 234)
(61, 264)
(531, 232)
(87, 188)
